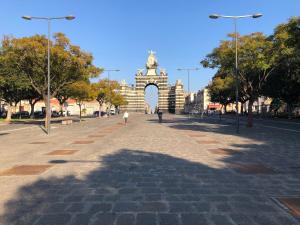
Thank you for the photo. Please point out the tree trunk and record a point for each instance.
(242, 108)
(48, 112)
(79, 112)
(99, 114)
(290, 110)
(8, 114)
(225, 108)
(250, 113)
(109, 107)
(32, 109)
(61, 108)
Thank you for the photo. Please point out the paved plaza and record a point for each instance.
(180, 172)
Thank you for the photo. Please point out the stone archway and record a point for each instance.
(151, 98)
(161, 82)
(170, 98)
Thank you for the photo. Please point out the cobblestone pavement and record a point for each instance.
(183, 171)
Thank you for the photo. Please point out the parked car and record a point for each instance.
(39, 114)
(22, 115)
(3, 114)
(112, 112)
(65, 113)
(194, 111)
(96, 113)
(55, 114)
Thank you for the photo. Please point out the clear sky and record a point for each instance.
(120, 32)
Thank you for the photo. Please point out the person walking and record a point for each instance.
(125, 117)
(159, 113)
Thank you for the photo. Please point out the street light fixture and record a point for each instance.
(108, 77)
(188, 72)
(48, 19)
(235, 18)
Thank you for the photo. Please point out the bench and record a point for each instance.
(66, 122)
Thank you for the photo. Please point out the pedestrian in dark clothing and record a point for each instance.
(159, 113)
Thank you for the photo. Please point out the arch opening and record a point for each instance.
(151, 98)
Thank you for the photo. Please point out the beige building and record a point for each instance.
(88, 107)
(198, 102)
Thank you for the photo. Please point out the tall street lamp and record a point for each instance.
(48, 19)
(235, 18)
(108, 78)
(189, 94)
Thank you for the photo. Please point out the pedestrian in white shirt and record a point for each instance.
(125, 117)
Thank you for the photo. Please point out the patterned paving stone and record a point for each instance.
(82, 142)
(100, 207)
(202, 206)
(207, 142)
(153, 206)
(82, 219)
(62, 152)
(125, 219)
(292, 203)
(252, 168)
(76, 207)
(146, 219)
(38, 142)
(105, 219)
(150, 173)
(168, 218)
(96, 135)
(220, 219)
(193, 219)
(240, 219)
(126, 207)
(221, 151)
(54, 219)
(196, 135)
(181, 207)
(263, 219)
(56, 208)
(25, 170)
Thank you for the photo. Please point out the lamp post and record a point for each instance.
(108, 78)
(48, 19)
(235, 18)
(188, 73)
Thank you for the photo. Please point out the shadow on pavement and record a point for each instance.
(137, 187)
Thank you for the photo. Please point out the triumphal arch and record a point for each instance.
(170, 98)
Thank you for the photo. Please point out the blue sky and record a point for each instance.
(120, 32)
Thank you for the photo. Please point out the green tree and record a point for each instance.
(12, 89)
(33, 97)
(105, 91)
(284, 82)
(118, 100)
(81, 91)
(222, 90)
(27, 56)
(62, 96)
(256, 61)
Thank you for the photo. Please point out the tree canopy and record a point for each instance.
(284, 82)
(27, 56)
(255, 64)
(222, 90)
(23, 66)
